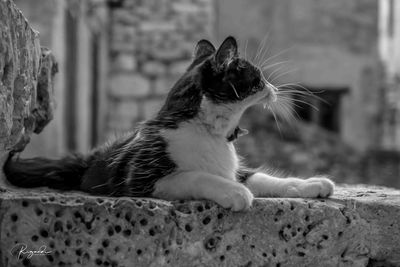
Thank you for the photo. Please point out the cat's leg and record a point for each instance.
(201, 185)
(264, 185)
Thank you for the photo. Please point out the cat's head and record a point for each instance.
(226, 78)
(218, 83)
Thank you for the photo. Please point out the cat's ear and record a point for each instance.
(227, 51)
(203, 48)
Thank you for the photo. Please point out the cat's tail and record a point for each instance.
(63, 174)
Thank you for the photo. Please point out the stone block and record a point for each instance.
(123, 37)
(185, 7)
(154, 68)
(358, 226)
(124, 62)
(26, 80)
(129, 85)
(157, 26)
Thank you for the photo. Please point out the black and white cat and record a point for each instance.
(186, 151)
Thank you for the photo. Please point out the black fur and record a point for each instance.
(143, 162)
(243, 174)
(132, 164)
(236, 134)
(64, 174)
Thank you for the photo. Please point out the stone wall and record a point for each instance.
(151, 46)
(358, 226)
(26, 80)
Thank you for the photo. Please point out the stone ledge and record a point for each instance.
(359, 226)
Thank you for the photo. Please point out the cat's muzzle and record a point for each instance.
(270, 94)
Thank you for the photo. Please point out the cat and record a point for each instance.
(186, 151)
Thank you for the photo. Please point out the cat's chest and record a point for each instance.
(194, 150)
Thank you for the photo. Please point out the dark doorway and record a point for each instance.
(321, 107)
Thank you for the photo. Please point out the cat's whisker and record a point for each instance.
(264, 54)
(288, 101)
(285, 111)
(277, 55)
(284, 73)
(276, 120)
(272, 73)
(294, 85)
(292, 92)
(234, 89)
(260, 48)
(303, 97)
(99, 185)
(282, 112)
(286, 92)
(305, 102)
(274, 64)
(290, 110)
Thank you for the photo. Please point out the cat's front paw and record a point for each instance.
(311, 187)
(236, 197)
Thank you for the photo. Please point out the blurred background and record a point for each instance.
(118, 59)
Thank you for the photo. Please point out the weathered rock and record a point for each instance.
(43, 111)
(26, 74)
(358, 226)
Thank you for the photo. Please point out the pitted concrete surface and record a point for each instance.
(358, 226)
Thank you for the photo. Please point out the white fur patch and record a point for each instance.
(193, 148)
(220, 119)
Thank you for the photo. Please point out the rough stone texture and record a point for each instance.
(358, 226)
(153, 40)
(26, 75)
(43, 111)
